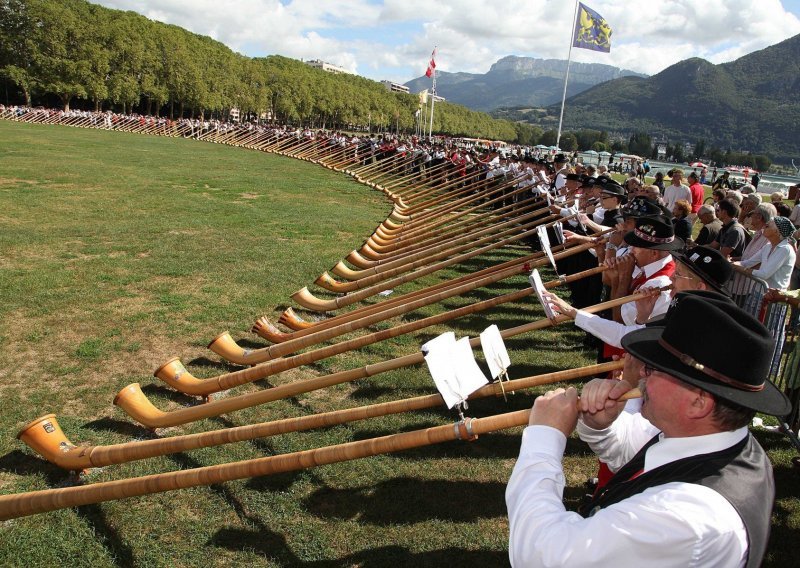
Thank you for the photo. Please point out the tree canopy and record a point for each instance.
(84, 55)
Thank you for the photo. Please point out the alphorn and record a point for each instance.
(225, 346)
(136, 405)
(432, 253)
(289, 317)
(45, 436)
(178, 377)
(306, 299)
(388, 230)
(379, 245)
(34, 502)
(470, 184)
(470, 223)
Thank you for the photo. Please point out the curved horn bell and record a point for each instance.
(290, 319)
(266, 329)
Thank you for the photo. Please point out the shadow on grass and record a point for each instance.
(274, 546)
(369, 392)
(406, 500)
(275, 482)
(250, 344)
(171, 394)
(121, 427)
(222, 365)
(23, 464)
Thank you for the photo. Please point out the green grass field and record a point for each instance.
(119, 251)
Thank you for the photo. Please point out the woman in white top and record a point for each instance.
(775, 261)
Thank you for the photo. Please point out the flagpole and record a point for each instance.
(566, 76)
(433, 100)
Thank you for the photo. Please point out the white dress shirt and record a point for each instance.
(675, 524)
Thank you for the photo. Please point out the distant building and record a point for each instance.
(329, 67)
(394, 87)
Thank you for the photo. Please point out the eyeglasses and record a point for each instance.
(648, 370)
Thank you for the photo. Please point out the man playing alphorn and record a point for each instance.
(692, 487)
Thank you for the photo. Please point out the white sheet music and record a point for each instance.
(541, 230)
(453, 368)
(494, 350)
(538, 287)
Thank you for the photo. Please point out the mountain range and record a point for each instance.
(518, 82)
(748, 104)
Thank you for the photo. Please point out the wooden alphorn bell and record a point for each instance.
(291, 320)
(31, 503)
(225, 346)
(135, 403)
(175, 374)
(441, 233)
(44, 435)
(359, 279)
(372, 285)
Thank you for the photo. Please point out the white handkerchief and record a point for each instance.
(559, 231)
(541, 230)
(494, 350)
(438, 357)
(469, 376)
(538, 287)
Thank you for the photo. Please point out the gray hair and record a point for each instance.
(754, 197)
(736, 196)
(766, 211)
(706, 209)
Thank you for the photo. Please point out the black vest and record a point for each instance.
(742, 474)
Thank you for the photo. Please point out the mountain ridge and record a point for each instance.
(518, 81)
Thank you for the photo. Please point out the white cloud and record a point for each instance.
(472, 34)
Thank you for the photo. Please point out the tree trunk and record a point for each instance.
(65, 99)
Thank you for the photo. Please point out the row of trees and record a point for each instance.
(89, 56)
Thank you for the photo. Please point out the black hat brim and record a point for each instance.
(643, 344)
(677, 243)
(714, 284)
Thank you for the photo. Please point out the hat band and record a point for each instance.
(655, 240)
(687, 360)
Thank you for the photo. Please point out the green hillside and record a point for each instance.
(748, 104)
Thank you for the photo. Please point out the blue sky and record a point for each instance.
(393, 39)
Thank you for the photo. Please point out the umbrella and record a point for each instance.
(591, 152)
(604, 153)
(697, 165)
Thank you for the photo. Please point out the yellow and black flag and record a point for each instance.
(591, 30)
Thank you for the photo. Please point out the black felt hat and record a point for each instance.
(641, 206)
(709, 264)
(560, 159)
(654, 233)
(612, 188)
(736, 375)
